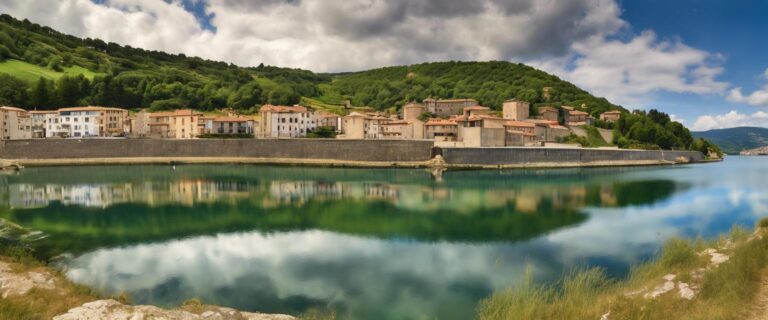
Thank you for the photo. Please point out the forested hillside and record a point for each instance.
(41, 68)
(50, 69)
(734, 140)
(489, 82)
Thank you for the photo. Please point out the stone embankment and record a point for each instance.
(321, 152)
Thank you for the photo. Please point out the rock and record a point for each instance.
(111, 309)
(605, 316)
(12, 284)
(685, 291)
(669, 277)
(662, 289)
(682, 159)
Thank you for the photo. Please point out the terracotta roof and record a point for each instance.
(577, 112)
(232, 119)
(43, 111)
(413, 105)
(396, 122)
(545, 109)
(511, 123)
(13, 109)
(175, 113)
(449, 100)
(612, 112)
(476, 108)
(91, 108)
(440, 122)
(282, 109)
(477, 117)
(521, 133)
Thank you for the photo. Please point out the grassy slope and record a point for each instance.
(727, 291)
(733, 140)
(30, 72)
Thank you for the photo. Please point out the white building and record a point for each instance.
(92, 122)
(45, 124)
(286, 122)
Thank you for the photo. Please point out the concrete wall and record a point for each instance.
(346, 150)
(387, 151)
(512, 156)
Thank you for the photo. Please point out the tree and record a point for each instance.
(70, 90)
(41, 94)
(13, 91)
(322, 132)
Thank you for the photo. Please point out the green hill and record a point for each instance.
(42, 68)
(131, 77)
(734, 140)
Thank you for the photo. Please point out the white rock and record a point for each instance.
(685, 291)
(662, 289)
(605, 316)
(670, 277)
(111, 309)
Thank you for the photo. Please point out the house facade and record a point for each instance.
(15, 124)
(610, 116)
(448, 107)
(286, 121)
(515, 110)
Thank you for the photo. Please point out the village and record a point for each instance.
(449, 123)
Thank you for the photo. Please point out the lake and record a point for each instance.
(367, 243)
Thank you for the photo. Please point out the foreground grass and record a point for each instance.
(39, 303)
(726, 292)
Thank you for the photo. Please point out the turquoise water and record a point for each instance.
(369, 244)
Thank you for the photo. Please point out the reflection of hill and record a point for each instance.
(76, 229)
(81, 209)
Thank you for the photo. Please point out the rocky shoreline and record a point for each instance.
(36, 285)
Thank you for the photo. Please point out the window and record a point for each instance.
(86, 119)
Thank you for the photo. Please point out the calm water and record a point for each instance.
(370, 244)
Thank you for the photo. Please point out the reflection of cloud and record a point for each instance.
(350, 273)
(609, 232)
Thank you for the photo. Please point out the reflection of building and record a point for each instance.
(186, 192)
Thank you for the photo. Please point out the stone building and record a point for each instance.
(177, 124)
(515, 110)
(610, 116)
(413, 111)
(15, 124)
(449, 107)
(548, 113)
(363, 126)
(441, 129)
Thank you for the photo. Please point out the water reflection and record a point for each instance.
(375, 244)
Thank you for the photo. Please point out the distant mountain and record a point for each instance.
(734, 140)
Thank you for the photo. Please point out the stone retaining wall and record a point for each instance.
(377, 152)
(514, 156)
(331, 149)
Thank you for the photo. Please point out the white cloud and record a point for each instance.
(730, 120)
(758, 98)
(628, 72)
(573, 39)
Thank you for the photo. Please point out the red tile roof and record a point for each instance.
(511, 123)
(282, 109)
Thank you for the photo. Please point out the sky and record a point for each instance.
(702, 61)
